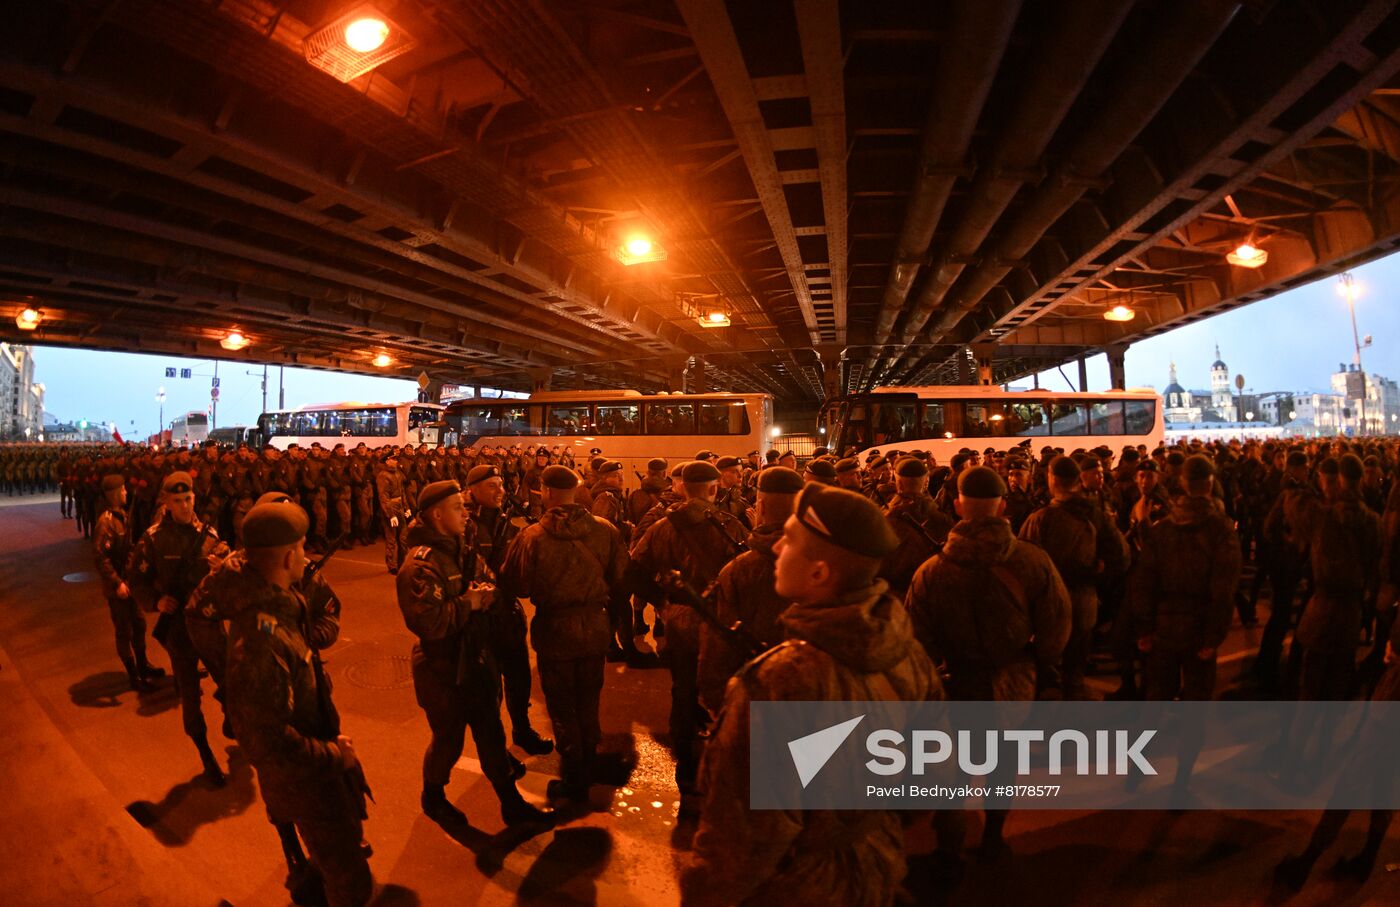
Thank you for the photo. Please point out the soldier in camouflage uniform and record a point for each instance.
(393, 510)
(918, 523)
(1288, 554)
(570, 565)
(112, 550)
(168, 562)
(847, 638)
(730, 497)
(362, 492)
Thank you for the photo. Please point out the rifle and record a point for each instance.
(738, 546)
(736, 634)
(908, 517)
(313, 569)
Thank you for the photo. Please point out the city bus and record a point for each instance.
(189, 430)
(626, 425)
(233, 435)
(944, 420)
(376, 424)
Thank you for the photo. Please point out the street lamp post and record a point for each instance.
(160, 421)
(1347, 287)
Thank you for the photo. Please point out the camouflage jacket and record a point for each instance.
(432, 584)
(111, 545)
(912, 519)
(1182, 589)
(694, 538)
(1078, 536)
(744, 593)
(172, 559)
(858, 647)
(1345, 550)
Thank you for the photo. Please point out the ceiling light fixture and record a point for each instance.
(234, 341)
(383, 360)
(367, 34)
(357, 41)
(28, 320)
(1120, 313)
(715, 318)
(1247, 255)
(638, 249)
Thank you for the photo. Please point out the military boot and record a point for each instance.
(437, 807)
(516, 811)
(529, 740)
(212, 772)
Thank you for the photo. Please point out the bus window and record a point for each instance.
(730, 418)
(1140, 416)
(336, 423)
(570, 419)
(197, 419)
(480, 420)
(305, 424)
(1026, 420)
(893, 422)
(1068, 419)
(515, 420)
(619, 419)
(422, 425)
(931, 421)
(855, 431)
(1106, 418)
(670, 418)
(381, 423)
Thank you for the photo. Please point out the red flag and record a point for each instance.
(117, 436)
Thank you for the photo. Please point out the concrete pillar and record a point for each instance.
(1116, 376)
(1083, 375)
(540, 378)
(985, 354)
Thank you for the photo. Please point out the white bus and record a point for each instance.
(189, 430)
(233, 435)
(625, 424)
(376, 424)
(943, 420)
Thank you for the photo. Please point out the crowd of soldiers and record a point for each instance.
(1001, 575)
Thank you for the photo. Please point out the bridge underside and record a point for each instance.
(871, 193)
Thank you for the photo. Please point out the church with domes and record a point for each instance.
(1180, 405)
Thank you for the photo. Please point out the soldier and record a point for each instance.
(697, 540)
(167, 564)
(848, 638)
(492, 532)
(314, 496)
(820, 471)
(208, 489)
(392, 509)
(455, 677)
(647, 496)
(571, 565)
(879, 488)
(744, 591)
(308, 771)
(530, 489)
(1181, 593)
(1019, 503)
(340, 492)
(994, 610)
(1085, 546)
(730, 497)
(917, 522)
(112, 549)
(1287, 556)
(848, 474)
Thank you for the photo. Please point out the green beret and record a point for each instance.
(608, 466)
(822, 469)
(274, 497)
(482, 473)
(656, 464)
(177, 483)
(113, 481)
(274, 525)
(847, 520)
(705, 455)
(727, 463)
(1352, 468)
(699, 471)
(849, 464)
(911, 468)
(981, 482)
(1064, 468)
(1197, 468)
(779, 480)
(436, 492)
(560, 478)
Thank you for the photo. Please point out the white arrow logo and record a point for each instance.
(811, 753)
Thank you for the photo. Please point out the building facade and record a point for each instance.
(21, 398)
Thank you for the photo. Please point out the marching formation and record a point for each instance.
(997, 576)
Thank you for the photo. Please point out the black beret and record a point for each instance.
(656, 464)
(821, 451)
(435, 492)
(727, 462)
(847, 520)
(1016, 465)
(482, 473)
(1176, 458)
(1197, 468)
(705, 455)
(595, 451)
(699, 471)
(849, 464)
(876, 463)
(274, 525)
(177, 483)
(772, 454)
(654, 485)
(1130, 455)
(1352, 468)
(911, 468)
(560, 478)
(822, 469)
(608, 466)
(595, 462)
(1064, 468)
(981, 482)
(679, 469)
(779, 480)
(1328, 466)
(1090, 464)
(274, 497)
(752, 453)
(113, 481)
(1147, 466)
(542, 452)
(1296, 458)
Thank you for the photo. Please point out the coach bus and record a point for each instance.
(626, 425)
(234, 435)
(189, 430)
(376, 424)
(943, 420)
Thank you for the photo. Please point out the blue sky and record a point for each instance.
(1293, 341)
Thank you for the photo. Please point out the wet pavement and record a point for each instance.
(102, 800)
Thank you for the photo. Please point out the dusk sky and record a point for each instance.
(1290, 342)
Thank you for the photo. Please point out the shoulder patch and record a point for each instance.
(422, 552)
(267, 624)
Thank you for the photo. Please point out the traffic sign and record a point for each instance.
(186, 372)
(1239, 382)
(213, 393)
(423, 380)
(170, 373)
(214, 383)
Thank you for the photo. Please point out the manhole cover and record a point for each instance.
(85, 576)
(386, 672)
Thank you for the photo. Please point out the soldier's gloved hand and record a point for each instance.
(394, 522)
(123, 591)
(348, 760)
(167, 605)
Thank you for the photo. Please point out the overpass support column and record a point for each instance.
(540, 378)
(1116, 376)
(1083, 375)
(695, 376)
(675, 372)
(984, 354)
(832, 364)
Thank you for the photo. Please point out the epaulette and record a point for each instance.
(753, 663)
(422, 552)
